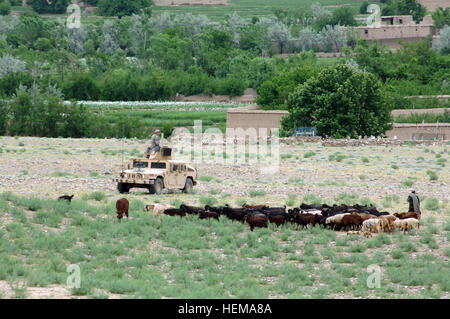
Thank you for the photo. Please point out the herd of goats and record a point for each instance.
(354, 219)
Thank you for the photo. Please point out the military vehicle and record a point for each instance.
(156, 172)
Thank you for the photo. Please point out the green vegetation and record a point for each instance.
(54, 6)
(319, 103)
(188, 251)
(122, 8)
(432, 175)
(405, 7)
(425, 118)
(255, 193)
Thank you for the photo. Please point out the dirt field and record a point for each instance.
(310, 172)
(49, 167)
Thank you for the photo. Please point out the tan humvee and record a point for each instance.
(156, 172)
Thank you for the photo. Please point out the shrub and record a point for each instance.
(407, 183)
(309, 154)
(208, 200)
(433, 176)
(5, 8)
(55, 6)
(431, 204)
(98, 196)
(254, 193)
(167, 129)
(290, 201)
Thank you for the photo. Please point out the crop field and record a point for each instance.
(150, 256)
(250, 8)
(245, 8)
(154, 114)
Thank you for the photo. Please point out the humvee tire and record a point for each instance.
(123, 188)
(188, 186)
(157, 187)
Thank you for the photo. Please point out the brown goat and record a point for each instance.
(277, 219)
(351, 221)
(407, 215)
(366, 216)
(256, 220)
(122, 206)
(387, 223)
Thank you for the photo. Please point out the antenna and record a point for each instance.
(122, 147)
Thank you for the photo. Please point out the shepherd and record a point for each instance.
(414, 202)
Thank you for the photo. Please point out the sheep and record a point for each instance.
(277, 218)
(191, 209)
(256, 207)
(407, 215)
(256, 219)
(205, 214)
(234, 213)
(158, 209)
(174, 211)
(336, 219)
(387, 223)
(122, 206)
(218, 209)
(305, 219)
(366, 216)
(371, 225)
(406, 224)
(351, 221)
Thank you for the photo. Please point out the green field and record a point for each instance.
(155, 114)
(245, 8)
(250, 8)
(156, 257)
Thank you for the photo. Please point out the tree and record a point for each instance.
(444, 41)
(5, 8)
(81, 86)
(333, 38)
(341, 101)
(405, 7)
(308, 38)
(76, 39)
(110, 43)
(363, 7)
(3, 116)
(272, 94)
(280, 34)
(343, 16)
(122, 8)
(441, 17)
(54, 6)
(9, 64)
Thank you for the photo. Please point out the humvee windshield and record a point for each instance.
(158, 165)
(140, 165)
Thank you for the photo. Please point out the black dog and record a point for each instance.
(66, 197)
